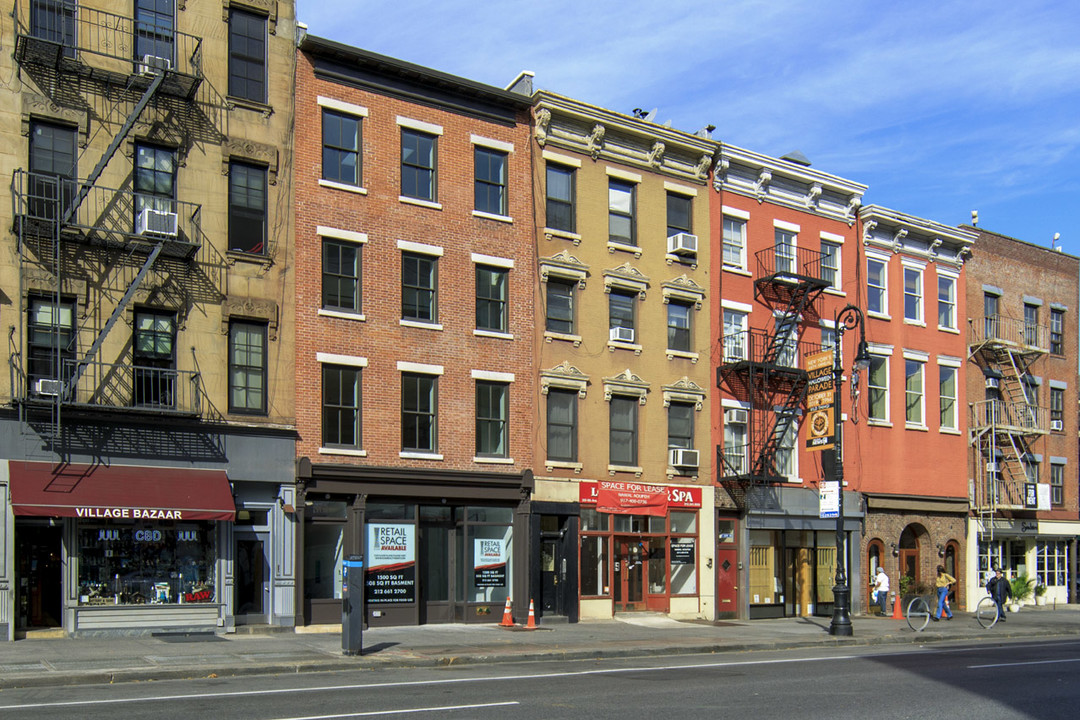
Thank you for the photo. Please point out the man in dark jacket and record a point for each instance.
(1001, 590)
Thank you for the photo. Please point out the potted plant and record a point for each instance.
(1040, 594)
(1023, 587)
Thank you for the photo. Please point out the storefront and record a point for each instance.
(640, 548)
(118, 548)
(1044, 550)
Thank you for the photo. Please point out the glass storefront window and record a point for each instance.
(491, 576)
(593, 521)
(657, 524)
(595, 553)
(491, 515)
(657, 566)
(683, 522)
(631, 523)
(683, 564)
(322, 560)
(766, 580)
(143, 563)
(390, 511)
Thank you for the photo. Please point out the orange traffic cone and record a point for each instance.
(531, 625)
(896, 613)
(508, 619)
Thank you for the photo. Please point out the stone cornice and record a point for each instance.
(898, 232)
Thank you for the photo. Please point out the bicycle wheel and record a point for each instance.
(987, 612)
(918, 614)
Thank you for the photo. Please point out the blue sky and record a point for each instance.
(940, 107)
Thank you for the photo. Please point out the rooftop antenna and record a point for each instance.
(1055, 244)
(974, 218)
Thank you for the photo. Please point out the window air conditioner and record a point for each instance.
(153, 65)
(621, 334)
(993, 383)
(682, 244)
(735, 415)
(680, 457)
(1057, 425)
(991, 466)
(156, 222)
(48, 386)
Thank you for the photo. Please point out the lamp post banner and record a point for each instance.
(820, 396)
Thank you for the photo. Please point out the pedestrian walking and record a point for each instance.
(881, 589)
(1001, 590)
(943, 583)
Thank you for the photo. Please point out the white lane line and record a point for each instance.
(374, 713)
(1018, 664)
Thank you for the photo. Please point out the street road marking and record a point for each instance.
(1030, 662)
(373, 713)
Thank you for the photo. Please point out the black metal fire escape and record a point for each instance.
(763, 369)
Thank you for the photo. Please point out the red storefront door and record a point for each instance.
(727, 580)
(631, 573)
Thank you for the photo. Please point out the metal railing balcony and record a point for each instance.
(1006, 332)
(785, 263)
(761, 347)
(117, 49)
(120, 386)
(108, 216)
(735, 460)
(1018, 418)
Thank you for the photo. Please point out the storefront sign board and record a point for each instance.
(391, 563)
(626, 498)
(489, 562)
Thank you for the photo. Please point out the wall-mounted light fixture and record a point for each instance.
(895, 550)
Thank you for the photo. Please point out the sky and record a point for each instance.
(941, 107)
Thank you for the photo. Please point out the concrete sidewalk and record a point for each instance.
(34, 662)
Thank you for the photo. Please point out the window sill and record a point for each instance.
(245, 104)
(549, 336)
(950, 431)
(614, 345)
(691, 356)
(689, 260)
(341, 315)
(737, 270)
(492, 216)
(419, 203)
(879, 423)
(493, 334)
(835, 291)
(241, 256)
(419, 455)
(878, 316)
(919, 323)
(342, 451)
(493, 461)
(913, 426)
(612, 469)
(562, 465)
(953, 331)
(622, 247)
(552, 233)
(421, 325)
(334, 185)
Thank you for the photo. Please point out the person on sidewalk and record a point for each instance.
(1001, 590)
(943, 583)
(881, 589)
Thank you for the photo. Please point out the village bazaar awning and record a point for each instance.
(119, 492)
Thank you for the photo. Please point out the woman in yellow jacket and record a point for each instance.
(943, 583)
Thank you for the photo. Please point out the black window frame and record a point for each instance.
(335, 150)
(414, 292)
(155, 26)
(53, 162)
(248, 369)
(335, 279)
(622, 309)
(413, 170)
(680, 338)
(1057, 407)
(1057, 336)
(492, 299)
(1057, 483)
(615, 215)
(54, 20)
(679, 204)
(492, 419)
(685, 440)
(338, 410)
(155, 188)
(560, 212)
(490, 185)
(50, 346)
(153, 354)
(1031, 324)
(555, 322)
(418, 419)
(562, 399)
(247, 64)
(248, 217)
(619, 435)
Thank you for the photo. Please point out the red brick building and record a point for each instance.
(414, 275)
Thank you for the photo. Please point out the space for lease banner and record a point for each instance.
(626, 498)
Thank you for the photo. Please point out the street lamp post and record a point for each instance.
(849, 318)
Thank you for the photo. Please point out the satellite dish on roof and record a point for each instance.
(796, 157)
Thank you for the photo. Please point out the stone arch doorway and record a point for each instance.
(912, 540)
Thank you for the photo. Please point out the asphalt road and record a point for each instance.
(984, 681)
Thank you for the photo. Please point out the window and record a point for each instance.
(1057, 409)
(830, 263)
(491, 299)
(1057, 484)
(417, 165)
(492, 411)
(784, 244)
(341, 406)
(1031, 324)
(418, 418)
(913, 392)
(154, 360)
(828, 338)
(877, 382)
(913, 295)
(560, 198)
(154, 29)
(678, 214)
(678, 326)
(490, 187)
(562, 425)
(947, 393)
(52, 170)
(155, 179)
(736, 340)
(341, 276)
(946, 304)
(54, 20)
(786, 330)
(247, 368)
(876, 287)
(1052, 567)
(622, 444)
(734, 242)
(1057, 331)
(1031, 469)
(51, 340)
(736, 448)
(247, 208)
(991, 306)
(247, 55)
(418, 287)
(621, 213)
(559, 308)
(621, 313)
(786, 433)
(680, 426)
(341, 160)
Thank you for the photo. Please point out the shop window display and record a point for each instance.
(146, 563)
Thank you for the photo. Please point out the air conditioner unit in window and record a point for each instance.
(621, 334)
(156, 222)
(991, 467)
(682, 244)
(1057, 425)
(48, 386)
(680, 457)
(993, 383)
(735, 415)
(153, 65)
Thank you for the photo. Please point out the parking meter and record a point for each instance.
(352, 606)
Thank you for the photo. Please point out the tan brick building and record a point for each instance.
(415, 374)
(147, 426)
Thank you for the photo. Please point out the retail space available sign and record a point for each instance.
(489, 562)
(626, 498)
(820, 395)
(390, 563)
(829, 499)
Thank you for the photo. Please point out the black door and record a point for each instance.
(39, 586)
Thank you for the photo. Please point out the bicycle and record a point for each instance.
(918, 613)
(987, 612)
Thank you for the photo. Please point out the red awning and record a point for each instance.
(119, 492)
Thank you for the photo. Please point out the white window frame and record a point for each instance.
(742, 218)
(919, 272)
(919, 359)
(883, 289)
(953, 364)
(955, 284)
(793, 432)
(745, 407)
(836, 241)
(884, 352)
(737, 311)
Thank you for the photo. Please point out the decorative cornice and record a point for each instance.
(893, 231)
(563, 264)
(684, 390)
(39, 106)
(565, 376)
(626, 383)
(250, 309)
(250, 150)
(627, 277)
(683, 288)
